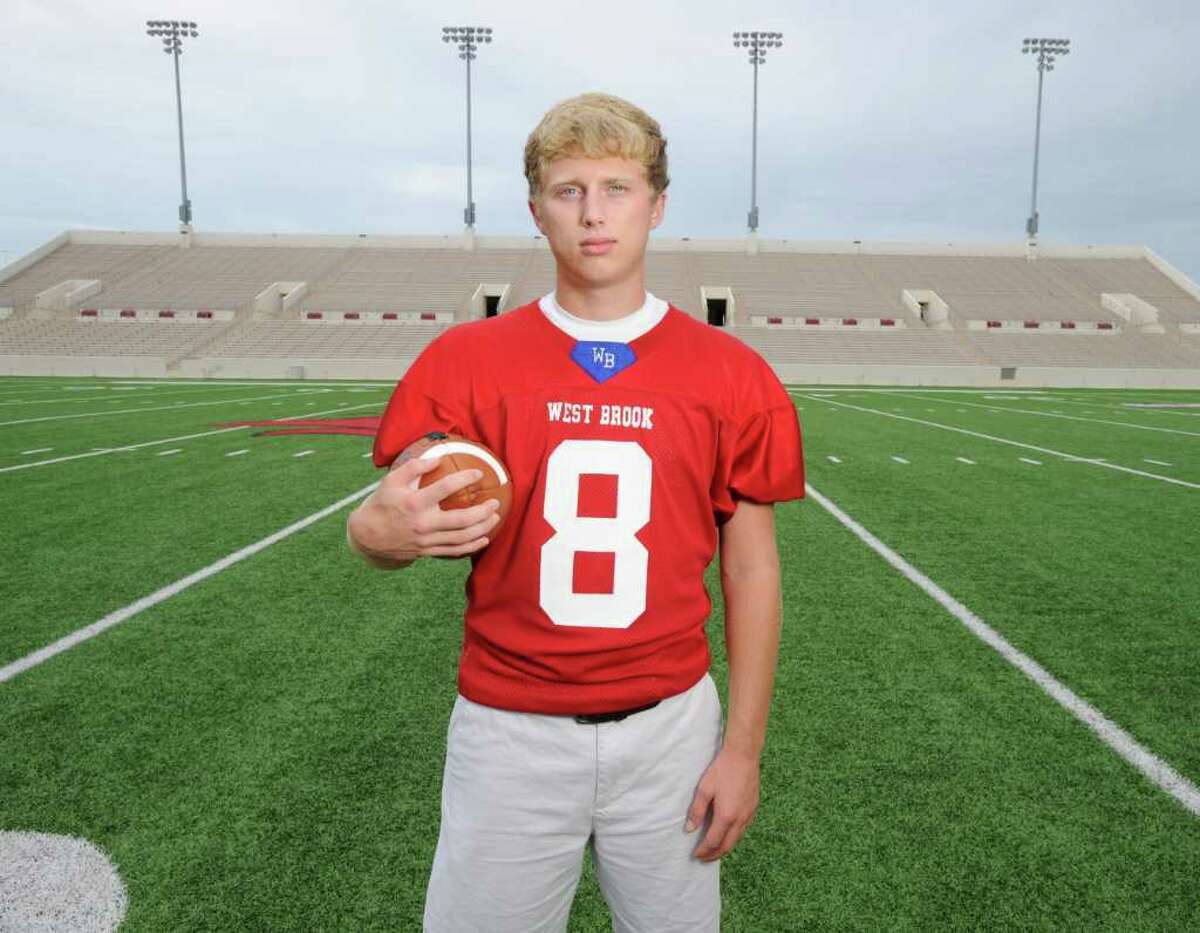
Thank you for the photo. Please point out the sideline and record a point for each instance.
(104, 451)
(9, 671)
(133, 396)
(1094, 461)
(1045, 414)
(1112, 735)
(176, 407)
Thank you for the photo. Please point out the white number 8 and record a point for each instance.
(572, 533)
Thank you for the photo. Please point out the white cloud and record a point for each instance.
(342, 116)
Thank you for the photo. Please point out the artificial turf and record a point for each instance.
(264, 749)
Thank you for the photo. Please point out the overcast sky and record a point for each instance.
(878, 120)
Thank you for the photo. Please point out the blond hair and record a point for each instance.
(596, 126)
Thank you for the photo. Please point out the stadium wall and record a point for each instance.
(1172, 273)
(981, 376)
(797, 373)
(278, 368)
(118, 366)
(1060, 377)
(20, 265)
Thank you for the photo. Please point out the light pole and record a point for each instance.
(757, 44)
(468, 39)
(172, 32)
(1045, 52)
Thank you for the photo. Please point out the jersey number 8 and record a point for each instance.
(615, 535)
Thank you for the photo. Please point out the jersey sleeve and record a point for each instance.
(424, 400)
(760, 456)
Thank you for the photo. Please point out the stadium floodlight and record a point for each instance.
(173, 32)
(757, 43)
(1045, 51)
(467, 40)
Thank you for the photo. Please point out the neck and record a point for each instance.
(603, 302)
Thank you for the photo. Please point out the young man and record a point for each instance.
(637, 439)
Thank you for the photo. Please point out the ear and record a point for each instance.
(537, 220)
(657, 210)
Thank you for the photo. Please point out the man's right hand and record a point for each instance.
(399, 522)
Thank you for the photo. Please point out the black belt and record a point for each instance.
(615, 716)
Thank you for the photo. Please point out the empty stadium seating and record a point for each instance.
(79, 338)
(304, 340)
(796, 304)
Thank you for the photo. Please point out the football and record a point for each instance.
(459, 453)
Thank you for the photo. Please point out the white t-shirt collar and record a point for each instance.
(622, 330)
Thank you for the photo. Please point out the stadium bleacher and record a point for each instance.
(802, 305)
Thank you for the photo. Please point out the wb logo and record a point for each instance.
(603, 357)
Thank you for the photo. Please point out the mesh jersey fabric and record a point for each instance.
(591, 597)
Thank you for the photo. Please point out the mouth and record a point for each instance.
(597, 246)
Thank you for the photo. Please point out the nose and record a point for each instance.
(593, 211)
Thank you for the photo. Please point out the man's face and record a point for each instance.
(597, 215)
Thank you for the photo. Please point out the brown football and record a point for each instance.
(459, 453)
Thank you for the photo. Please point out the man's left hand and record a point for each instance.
(729, 787)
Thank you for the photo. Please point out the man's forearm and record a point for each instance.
(752, 629)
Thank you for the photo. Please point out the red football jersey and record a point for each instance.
(627, 443)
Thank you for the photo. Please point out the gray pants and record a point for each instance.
(524, 793)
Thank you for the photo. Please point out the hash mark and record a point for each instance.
(167, 453)
(1157, 462)
(237, 453)
(834, 460)
(1027, 460)
(965, 460)
(900, 460)
(303, 453)
(37, 450)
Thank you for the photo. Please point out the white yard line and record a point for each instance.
(76, 399)
(1004, 440)
(132, 411)
(237, 453)
(867, 390)
(965, 460)
(1066, 417)
(170, 440)
(1111, 734)
(67, 642)
(1122, 407)
(167, 453)
(217, 383)
(1027, 460)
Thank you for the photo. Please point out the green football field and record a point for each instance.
(987, 711)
